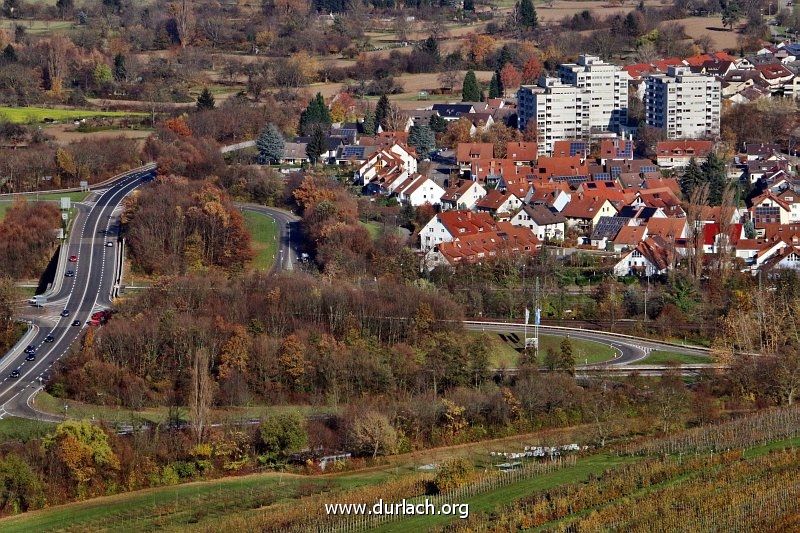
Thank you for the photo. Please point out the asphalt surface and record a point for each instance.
(289, 228)
(96, 225)
(629, 349)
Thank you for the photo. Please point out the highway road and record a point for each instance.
(289, 228)
(94, 240)
(629, 349)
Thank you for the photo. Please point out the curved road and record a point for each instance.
(629, 349)
(289, 230)
(78, 297)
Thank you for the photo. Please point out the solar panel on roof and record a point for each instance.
(647, 169)
(616, 171)
(603, 176)
(353, 151)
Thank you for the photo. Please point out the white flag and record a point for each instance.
(527, 316)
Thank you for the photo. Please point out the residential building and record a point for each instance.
(607, 86)
(446, 226)
(478, 247)
(467, 153)
(683, 103)
(463, 195)
(584, 213)
(419, 190)
(559, 110)
(546, 223)
(677, 154)
(650, 257)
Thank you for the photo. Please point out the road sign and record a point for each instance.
(66, 203)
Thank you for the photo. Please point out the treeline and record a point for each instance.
(28, 238)
(43, 164)
(176, 226)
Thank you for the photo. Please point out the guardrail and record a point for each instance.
(10, 355)
(100, 185)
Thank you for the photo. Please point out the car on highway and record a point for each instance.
(73, 259)
(30, 357)
(49, 338)
(69, 274)
(76, 322)
(30, 349)
(109, 244)
(14, 374)
(65, 312)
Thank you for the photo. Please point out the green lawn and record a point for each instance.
(38, 26)
(38, 114)
(180, 506)
(662, 357)
(7, 201)
(118, 415)
(264, 232)
(373, 228)
(504, 352)
(21, 429)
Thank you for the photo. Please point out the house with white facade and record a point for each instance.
(546, 223)
(419, 190)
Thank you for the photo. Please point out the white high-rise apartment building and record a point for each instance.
(560, 111)
(685, 104)
(588, 96)
(607, 85)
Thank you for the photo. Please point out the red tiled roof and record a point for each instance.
(493, 200)
(710, 232)
(684, 148)
(561, 166)
(478, 247)
(698, 60)
(586, 207)
(521, 151)
(466, 152)
(462, 222)
(773, 71)
(454, 193)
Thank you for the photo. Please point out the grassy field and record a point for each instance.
(180, 506)
(32, 115)
(264, 232)
(118, 415)
(487, 501)
(7, 201)
(21, 429)
(505, 354)
(662, 357)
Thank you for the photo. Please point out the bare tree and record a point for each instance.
(726, 212)
(201, 394)
(694, 223)
(183, 13)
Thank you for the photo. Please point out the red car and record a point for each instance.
(73, 258)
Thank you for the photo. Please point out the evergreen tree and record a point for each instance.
(431, 47)
(692, 177)
(526, 15)
(505, 56)
(750, 230)
(369, 122)
(437, 124)
(316, 113)
(270, 145)
(9, 54)
(496, 86)
(120, 70)
(316, 144)
(205, 100)
(716, 175)
(566, 361)
(382, 112)
(469, 5)
(422, 139)
(470, 91)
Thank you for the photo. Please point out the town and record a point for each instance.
(479, 265)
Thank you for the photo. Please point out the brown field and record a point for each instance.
(65, 133)
(711, 26)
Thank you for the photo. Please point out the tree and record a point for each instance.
(469, 5)
(65, 7)
(526, 15)
(315, 114)
(531, 70)
(470, 90)
(692, 177)
(452, 474)
(510, 77)
(715, 174)
(84, 449)
(371, 432)
(731, 14)
(120, 70)
(495, 86)
(9, 54)
(11, 9)
(369, 122)
(270, 145)
(283, 434)
(20, 489)
(566, 361)
(437, 123)
(206, 100)
(382, 112)
(422, 139)
(316, 144)
(201, 395)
